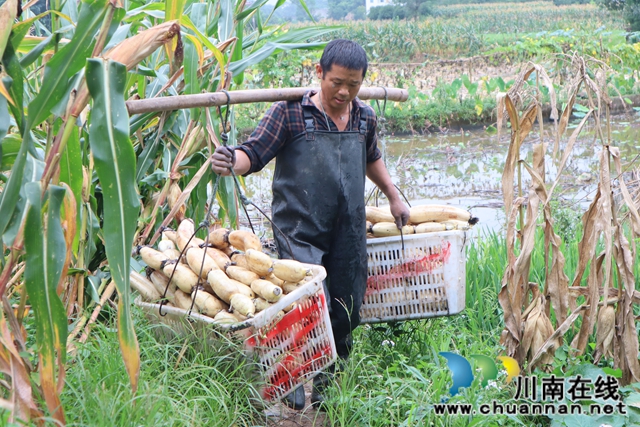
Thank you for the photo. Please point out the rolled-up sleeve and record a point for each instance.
(268, 137)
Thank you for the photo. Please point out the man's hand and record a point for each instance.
(223, 159)
(400, 212)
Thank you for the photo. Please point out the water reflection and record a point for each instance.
(465, 168)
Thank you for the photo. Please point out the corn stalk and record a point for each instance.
(529, 335)
(62, 200)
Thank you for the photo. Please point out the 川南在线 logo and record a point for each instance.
(462, 374)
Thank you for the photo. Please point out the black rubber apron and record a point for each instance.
(318, 203)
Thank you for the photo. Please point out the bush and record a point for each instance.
(425, 9)
(632, 14)
(613, 4)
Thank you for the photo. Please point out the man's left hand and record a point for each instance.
(400, 212)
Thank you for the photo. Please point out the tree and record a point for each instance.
(413, 8)
(339, 9)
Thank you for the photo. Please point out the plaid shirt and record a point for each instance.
(285, 120)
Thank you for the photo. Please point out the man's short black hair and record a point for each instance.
(345, 53)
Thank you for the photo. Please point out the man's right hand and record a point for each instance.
(223, 159)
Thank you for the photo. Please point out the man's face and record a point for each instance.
(339, 86)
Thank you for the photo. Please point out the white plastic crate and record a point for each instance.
(427, 279)
(290, 350)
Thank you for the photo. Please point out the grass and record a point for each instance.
(183, 382)
(393, 378)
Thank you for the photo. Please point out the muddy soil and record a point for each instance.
(280, 415)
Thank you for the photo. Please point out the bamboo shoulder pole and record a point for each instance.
(213, 99)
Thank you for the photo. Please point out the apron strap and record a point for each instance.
(309, 124)
(363, 130)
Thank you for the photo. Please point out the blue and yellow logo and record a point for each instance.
(462, 374)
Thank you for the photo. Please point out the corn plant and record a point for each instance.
(601, 293)
(79, 178)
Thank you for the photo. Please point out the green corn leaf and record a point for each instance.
(5, 121)
(152, 9)
(204, 40)
(227, 199)
(237, 51)
(225, 23)
(36, 52)
(16, 91)
(67, 62)
(295, 35)
(11, 191)
(279, 3)
(267, 50)
(173, 9)
(71, 173)
(199, 197)
(306, 9)
(115, 164)
(8, 13)
(251, 9)
(147, 157)
(191, 64)
(258, 22)
(199, 16)
(32, 172)
(45, 256)
(21, 29)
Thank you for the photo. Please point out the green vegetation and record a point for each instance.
(187, 380)
(80, 178)
(408, 9)
(393, 378)
(505, 33)
(467, 30)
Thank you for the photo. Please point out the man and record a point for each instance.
(324, 146)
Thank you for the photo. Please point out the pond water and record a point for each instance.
(464, 168)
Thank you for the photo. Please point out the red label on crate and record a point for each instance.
(423, 264)
(301, 342)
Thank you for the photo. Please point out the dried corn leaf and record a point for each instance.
(527, 120)
(568, 149)
(511, 335)
(558, 333)
(605, 329)
(500, 101)
(587, 246)
(69, 228)
(626, 342)
(633, 211)
(513, 156)
(552, 92)
(556, 280)
(131, 52)
(12, 365)
(530, 326)
(586, 328)
(518, 83)
(566, 114)
(607, 213)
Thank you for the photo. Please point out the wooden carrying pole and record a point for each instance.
(213, 99)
